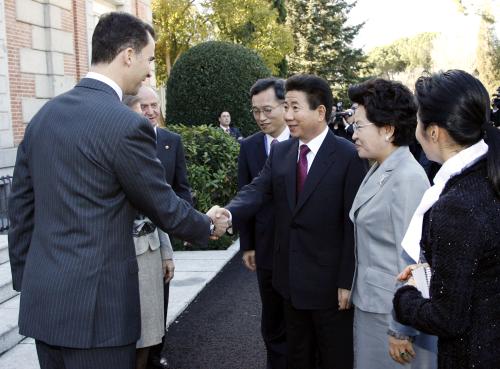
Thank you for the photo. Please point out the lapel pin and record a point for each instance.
(167, 147)
(382, 179)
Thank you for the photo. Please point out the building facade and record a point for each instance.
(44, 51)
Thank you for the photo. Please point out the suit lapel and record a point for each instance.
(323, 160)
(163, 147)
(260, 150)
(368, 188)
(375, 179)
(291, 170)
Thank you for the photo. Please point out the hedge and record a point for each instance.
(211, 158)
(212, 77)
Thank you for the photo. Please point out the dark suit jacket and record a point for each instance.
(314, 240)
(86, 163)
(234, 132)
(258, 233)
(170, 151)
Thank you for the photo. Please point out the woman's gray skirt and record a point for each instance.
(151, 296)
(371, 345)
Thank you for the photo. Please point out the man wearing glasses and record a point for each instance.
(257, 235)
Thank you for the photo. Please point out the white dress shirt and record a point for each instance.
(285, 135)
(102, 78)
(314, 146)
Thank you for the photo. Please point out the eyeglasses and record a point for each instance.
(357, 126)
(266, 110)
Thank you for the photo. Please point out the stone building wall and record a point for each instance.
(45, 51)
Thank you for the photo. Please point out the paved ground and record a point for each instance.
(220, 329)
(193, 270)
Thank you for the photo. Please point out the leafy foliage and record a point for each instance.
(211, 157)
(323, 41)
(179, 26)
(212, 77)
(254, 24)
(488, 54)
(405, 54)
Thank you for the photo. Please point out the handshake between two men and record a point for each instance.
(221, 220)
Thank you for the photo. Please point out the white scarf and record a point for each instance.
(451, 167)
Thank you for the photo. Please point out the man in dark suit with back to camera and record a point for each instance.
(86, 165)
(257, 235)
(311, 181)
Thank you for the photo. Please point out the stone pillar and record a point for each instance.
(45, 59)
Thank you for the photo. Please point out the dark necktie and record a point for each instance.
(302, 168)
(273, 142)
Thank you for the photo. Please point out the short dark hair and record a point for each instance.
(131, 100)
(388, 103)
(317, 91)
(263, 84)
(116, 31)
(223, 111)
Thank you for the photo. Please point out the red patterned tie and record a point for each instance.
(302, 168)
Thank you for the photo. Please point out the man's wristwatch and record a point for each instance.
(212, 227)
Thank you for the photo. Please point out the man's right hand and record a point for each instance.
(249, 259)
(221, 218)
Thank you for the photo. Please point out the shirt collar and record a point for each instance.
(285, 135)
(463, 159)
(102, 78)
(316, 142)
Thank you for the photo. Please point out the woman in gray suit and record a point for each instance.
(384, 126)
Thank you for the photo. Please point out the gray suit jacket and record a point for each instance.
(86, 165)
(381, 212)
(153, 241)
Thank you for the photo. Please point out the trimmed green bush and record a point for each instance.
(211, 158)
(213, 77)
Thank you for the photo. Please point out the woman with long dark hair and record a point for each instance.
(457, 224)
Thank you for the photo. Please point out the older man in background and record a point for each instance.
(170, 152)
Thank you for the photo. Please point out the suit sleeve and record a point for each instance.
(356, 171)
(406, 195)
(181, 184)
(447, 313)
(246, 229)
(405, 198)
(142, 178)
(250, 198)
(21, 214)
(167, 252)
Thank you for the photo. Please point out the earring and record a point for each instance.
(387, 138)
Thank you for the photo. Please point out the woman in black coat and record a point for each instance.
(457, 224)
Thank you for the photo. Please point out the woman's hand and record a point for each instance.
(168, 269)
(406, 273)
(401, 350)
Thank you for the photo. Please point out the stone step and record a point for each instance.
(9, 331)
(4, 250)
(6, 291)
(22, 356)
